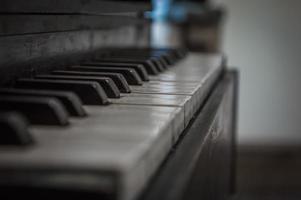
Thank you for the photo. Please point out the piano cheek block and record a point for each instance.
(14, 130)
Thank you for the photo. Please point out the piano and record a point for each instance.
(90, 110)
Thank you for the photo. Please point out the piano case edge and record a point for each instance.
(202, 163)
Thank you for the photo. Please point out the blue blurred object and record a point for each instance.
(161, 9)
(173, 10)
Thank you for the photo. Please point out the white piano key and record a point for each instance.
(118, 147)
(193, 68)
(182, 101)
(172, 88)
(128, 140)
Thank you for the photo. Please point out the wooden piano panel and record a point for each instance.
(31, 43)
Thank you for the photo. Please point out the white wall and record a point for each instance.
(263, 39)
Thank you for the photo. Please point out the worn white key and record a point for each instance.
(173, 88)
(181, 101)
(192, 81)
(194, 76)
(193, 68)
(129, 141)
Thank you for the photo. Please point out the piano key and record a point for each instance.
(199, 66)
(156, 59)
(160, 65)
(90, 92)
(138, 67)
(97, 154)
(162, 61)
(183, 88)
(106, 116)
(14, 130)
(98, 147)
(163, 100)
(182, 101)
(177, 53)
(38, 110)
(192, 89)
(168, 51)
(70, 100)
(167, 60)
(106, 83)
(129, 74)
(118, 78)
(149, 66)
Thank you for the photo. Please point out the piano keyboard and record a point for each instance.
(104, 125)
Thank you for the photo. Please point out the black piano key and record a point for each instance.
(165, 58)
(117, 78)
(90, 92)
(70, 100)
(182, 53)
(138, 67)
(142, 56)
(38, 110)
(14, 130)
(153, 61)
(169, 56)
(129, 74)
(178, 53)
(106, 83)
(158, 59)
(149, 65)
(160, 65)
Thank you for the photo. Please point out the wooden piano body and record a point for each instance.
(40, 36)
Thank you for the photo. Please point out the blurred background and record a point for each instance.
(261, 40)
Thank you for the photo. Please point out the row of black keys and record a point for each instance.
(50, 99)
